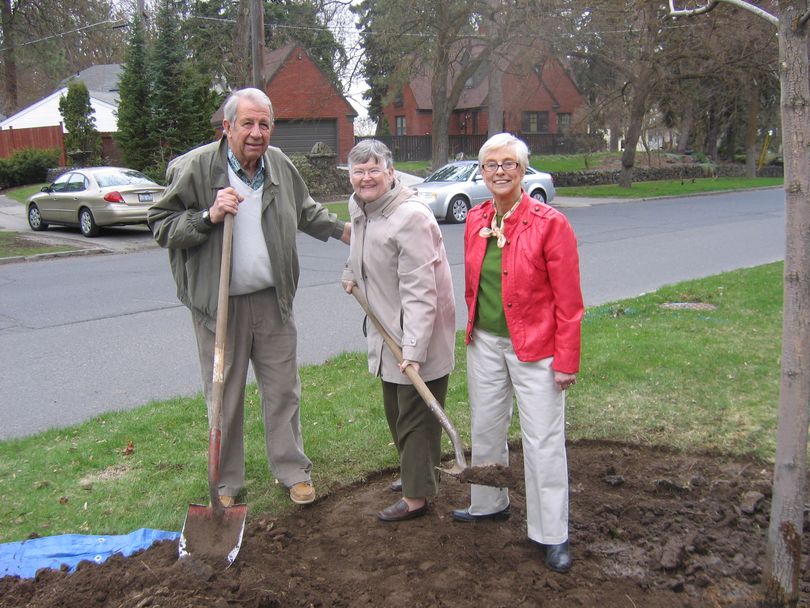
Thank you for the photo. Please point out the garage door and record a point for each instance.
(300, 136)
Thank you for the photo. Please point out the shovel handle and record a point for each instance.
(419, 384)
(218, 380)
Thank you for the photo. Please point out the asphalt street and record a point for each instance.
(83, 335)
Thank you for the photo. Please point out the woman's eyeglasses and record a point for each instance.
(374, 173)
(507, 165)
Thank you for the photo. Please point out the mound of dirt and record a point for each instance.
(649, 528)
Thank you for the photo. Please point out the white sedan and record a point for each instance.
(454, 188)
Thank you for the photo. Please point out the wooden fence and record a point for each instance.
(418, 147)
(40, 138)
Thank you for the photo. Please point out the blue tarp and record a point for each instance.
(24, 558)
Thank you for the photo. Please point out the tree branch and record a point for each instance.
(713, 4)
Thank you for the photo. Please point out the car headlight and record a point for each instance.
(430, 196)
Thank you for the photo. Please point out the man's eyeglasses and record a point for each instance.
(507, 165)
(360, 173)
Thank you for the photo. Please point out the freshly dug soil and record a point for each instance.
(649, 528)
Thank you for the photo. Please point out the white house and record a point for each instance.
(102, 85)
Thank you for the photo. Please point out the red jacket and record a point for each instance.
(540, 281)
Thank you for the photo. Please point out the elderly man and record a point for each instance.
(242, 175)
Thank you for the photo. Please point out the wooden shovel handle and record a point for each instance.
(419, 384)
(218, 380)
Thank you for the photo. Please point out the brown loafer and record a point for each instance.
(399, 512)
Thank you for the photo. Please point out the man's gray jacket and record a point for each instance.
(195, 248)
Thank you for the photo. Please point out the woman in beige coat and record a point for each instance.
(398, 262)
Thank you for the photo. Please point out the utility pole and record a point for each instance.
(257, 43)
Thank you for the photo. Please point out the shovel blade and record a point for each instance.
(214, 536)
(455, 470)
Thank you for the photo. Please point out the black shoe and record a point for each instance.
(396, 485)
(465, 516)
(557, 557)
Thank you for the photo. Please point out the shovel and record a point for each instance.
(421, 388)
(214, 532)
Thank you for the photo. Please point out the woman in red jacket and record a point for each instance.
(525, 308)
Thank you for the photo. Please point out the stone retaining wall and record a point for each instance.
(642, 174)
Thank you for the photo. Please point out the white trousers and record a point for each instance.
(494, 377)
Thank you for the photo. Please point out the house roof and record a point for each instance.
(100, 78)
(472, 97)
(272, 62)
(45, 113)
(102, 85)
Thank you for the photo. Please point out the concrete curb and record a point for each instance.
(54, 254)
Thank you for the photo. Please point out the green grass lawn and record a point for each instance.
(687, 379)
(14, 244)
(22, 193)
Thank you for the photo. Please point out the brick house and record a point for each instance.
(539, 98)
(308, 107)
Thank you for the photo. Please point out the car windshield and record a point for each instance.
(452, 173)
(124, 177)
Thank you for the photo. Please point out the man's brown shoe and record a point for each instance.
(302, 493)
(399, 512)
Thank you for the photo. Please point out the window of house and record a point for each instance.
(535, 122)
(564, 122)
(400, 125)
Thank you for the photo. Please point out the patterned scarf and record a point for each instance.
(496, 230)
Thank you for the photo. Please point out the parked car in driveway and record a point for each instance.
(93, 197)
(454, 188)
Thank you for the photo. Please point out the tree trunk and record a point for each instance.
(9, 58)
(751, 130)
(712, 132)
(440, 145)
(495, 117)
(687, 121)
(615, 135)
(783, 554)
(638, 109)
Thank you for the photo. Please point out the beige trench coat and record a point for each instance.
(398, 261)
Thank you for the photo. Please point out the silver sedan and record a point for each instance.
(454, 188)
(93, 197)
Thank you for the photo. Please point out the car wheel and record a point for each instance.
(539, 195)
(457, 209)
(87, 223)
(35, 219)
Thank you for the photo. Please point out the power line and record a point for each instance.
(118, 22)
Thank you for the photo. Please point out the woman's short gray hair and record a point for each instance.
(506, 140)
(255, 95)
(369, 149)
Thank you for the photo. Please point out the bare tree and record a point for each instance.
(449, 40)
(783, 556)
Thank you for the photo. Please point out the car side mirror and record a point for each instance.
(477, 177)
(45, 189)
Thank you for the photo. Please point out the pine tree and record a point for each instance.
(82, 140)
(181, 101)
(166, 70)
(134, 136)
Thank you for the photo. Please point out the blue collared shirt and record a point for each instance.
(258, 179)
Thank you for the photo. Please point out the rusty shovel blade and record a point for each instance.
(213, 535)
